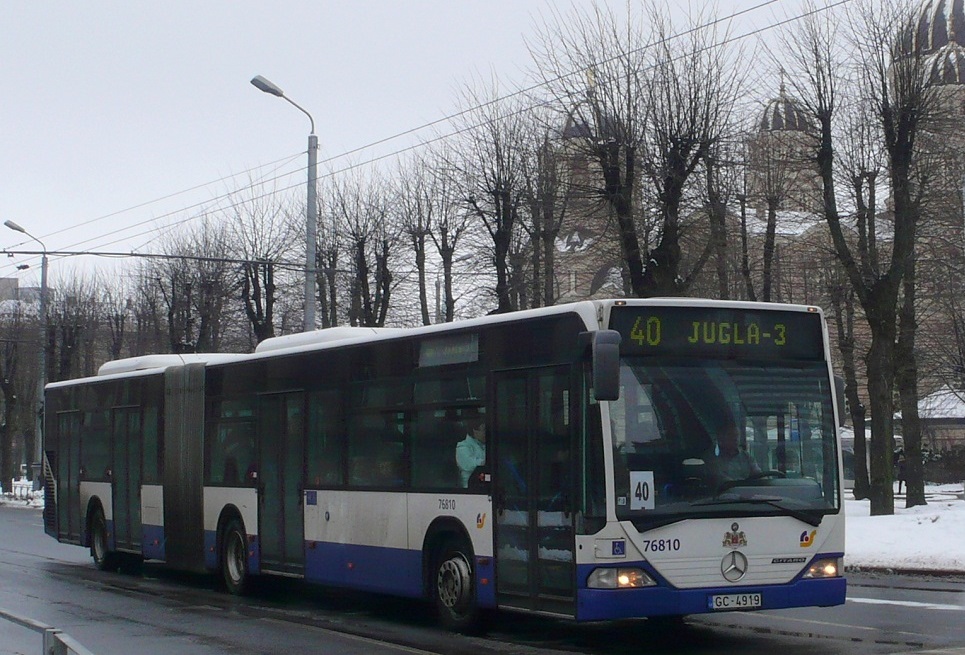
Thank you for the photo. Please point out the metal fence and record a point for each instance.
(55, 641)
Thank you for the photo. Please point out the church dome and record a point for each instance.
(939, 23)
(783, 114)
(947, 65)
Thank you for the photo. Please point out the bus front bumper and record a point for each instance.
(608, 604)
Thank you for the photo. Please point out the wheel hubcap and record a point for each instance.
(100, 542)
(454, 582)
(236, 558)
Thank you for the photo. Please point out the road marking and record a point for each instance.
(907, 603)
(768, 620)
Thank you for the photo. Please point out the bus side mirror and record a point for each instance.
(605, 348)
(840, 399)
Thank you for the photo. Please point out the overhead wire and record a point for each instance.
(423, 143)
(280, 163)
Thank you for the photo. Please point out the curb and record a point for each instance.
(893, 570)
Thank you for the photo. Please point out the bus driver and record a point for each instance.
(728, 461)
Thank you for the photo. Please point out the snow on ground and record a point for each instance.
(928, 538)
(924, 538)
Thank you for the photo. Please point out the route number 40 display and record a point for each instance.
(641, 490)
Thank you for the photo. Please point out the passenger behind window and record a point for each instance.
(471, 451)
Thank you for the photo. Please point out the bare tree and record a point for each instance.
(899, 93)
(549, 195)
(148, 312)
(611, 104)
(73, 322)
(451, 222)
(490, 159)
(328, 258)
(656, 104)
(416, 209)
(15, 415)
(262, 229)
(195, 290)
(116, 305)
(725, 173)
(362, 209)
(693, 87)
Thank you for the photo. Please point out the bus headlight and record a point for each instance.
(619, 579)
(824, 568)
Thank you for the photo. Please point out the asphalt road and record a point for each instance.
(155, 611)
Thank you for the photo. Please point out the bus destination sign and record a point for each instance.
(719, 333)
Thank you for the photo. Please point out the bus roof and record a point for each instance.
(327, 335)
(149, 362)
(593, 312)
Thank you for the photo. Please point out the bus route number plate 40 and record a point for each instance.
(732, 602)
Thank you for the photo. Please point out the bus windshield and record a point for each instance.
(703, 437)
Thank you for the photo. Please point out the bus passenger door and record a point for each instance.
(534, 490)
(126, 476)
(280, 474)
(67, 466)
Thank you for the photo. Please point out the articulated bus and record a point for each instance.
(331, 456)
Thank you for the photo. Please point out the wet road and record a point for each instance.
(154, 611)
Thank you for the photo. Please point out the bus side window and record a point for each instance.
(389, 466)
(434, 439)
(326, 439)
(375, 455)
(231, 475)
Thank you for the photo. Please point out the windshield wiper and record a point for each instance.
(811, 517)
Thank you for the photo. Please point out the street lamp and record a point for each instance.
(265, 85)
(42, 349)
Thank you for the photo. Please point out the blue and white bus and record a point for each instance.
(330, 456)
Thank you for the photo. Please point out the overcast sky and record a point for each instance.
(106, 107)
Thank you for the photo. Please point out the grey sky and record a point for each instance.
(105, 106)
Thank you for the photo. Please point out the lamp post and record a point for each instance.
(265, 85)
(41, 350)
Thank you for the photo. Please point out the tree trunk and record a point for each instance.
(881, 384)
(843, 303)
(769, 237)
(717, 211)
(419, 243)
(906, 374)
(745, 255)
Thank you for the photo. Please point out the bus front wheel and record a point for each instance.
(234, 557)
(454, 587)
(104, 559)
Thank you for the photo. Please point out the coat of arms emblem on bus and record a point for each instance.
(735, 538)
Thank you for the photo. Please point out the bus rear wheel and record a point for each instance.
(234, 558)
(454, 588)
(104, 558)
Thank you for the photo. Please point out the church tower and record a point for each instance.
(781, 172)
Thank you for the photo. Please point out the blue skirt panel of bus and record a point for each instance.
(152, 541)
(111, 546)
(601, 604)
(369, 568)
(387, 570)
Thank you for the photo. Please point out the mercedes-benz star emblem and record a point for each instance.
(733, 566)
